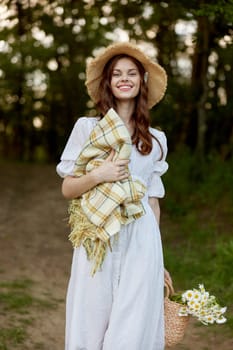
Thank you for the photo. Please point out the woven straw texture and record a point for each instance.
(157, 77)
(174, 325)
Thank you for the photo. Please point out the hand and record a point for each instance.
(167, 277)
(110, 170)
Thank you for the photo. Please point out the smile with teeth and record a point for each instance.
(125, 87)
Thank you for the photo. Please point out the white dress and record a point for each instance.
(121, 307)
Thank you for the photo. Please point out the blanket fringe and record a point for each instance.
(83, 232)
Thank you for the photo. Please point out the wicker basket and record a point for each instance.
(174, 325)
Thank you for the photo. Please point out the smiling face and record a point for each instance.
(125, 80)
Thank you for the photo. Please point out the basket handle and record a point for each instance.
(169, 290)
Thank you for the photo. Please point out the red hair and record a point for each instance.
(141, 137)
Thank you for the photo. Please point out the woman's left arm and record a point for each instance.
(154, 203)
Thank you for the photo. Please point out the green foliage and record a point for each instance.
(43, 51)
(220, 8)
(223, 265)
(197, 214)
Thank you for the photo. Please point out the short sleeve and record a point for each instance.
(156, 187)
(74, 145)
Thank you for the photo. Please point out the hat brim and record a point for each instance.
(157, 77)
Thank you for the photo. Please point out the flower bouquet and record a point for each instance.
(200, 304)
(193, 302)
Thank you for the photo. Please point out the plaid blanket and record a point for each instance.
(101, 211)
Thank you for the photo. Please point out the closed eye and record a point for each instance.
(131, 73)
(116, 74)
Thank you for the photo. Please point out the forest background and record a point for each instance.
(44, 47)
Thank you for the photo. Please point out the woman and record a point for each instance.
(121, 306)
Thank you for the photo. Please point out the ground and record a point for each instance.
(35, 264)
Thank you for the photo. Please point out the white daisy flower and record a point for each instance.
(188, 295)
(209, 319)
(223, 309)
(183, 311)
(204, 296)
(202, 288)
(221, 320)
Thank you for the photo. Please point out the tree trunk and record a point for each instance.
(200, 81)
(19, 132)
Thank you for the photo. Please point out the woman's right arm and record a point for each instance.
(109, 171)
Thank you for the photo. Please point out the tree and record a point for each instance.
(43, 50)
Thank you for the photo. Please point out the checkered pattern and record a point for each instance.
(109, 205)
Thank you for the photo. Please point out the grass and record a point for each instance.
(197, 225)
(11, 336)
(17, 303)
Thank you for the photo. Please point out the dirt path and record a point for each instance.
(34, 246)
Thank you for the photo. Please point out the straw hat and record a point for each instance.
(157, 78)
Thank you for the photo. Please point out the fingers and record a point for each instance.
(123, 172)
(119, 164)
(122, 166)
(123, 176)
(115, 170)
(122, 162)
(111, 156)
(167, 277)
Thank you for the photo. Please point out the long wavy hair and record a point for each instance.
(141, 137)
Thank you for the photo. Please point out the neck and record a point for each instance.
(125, 111)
